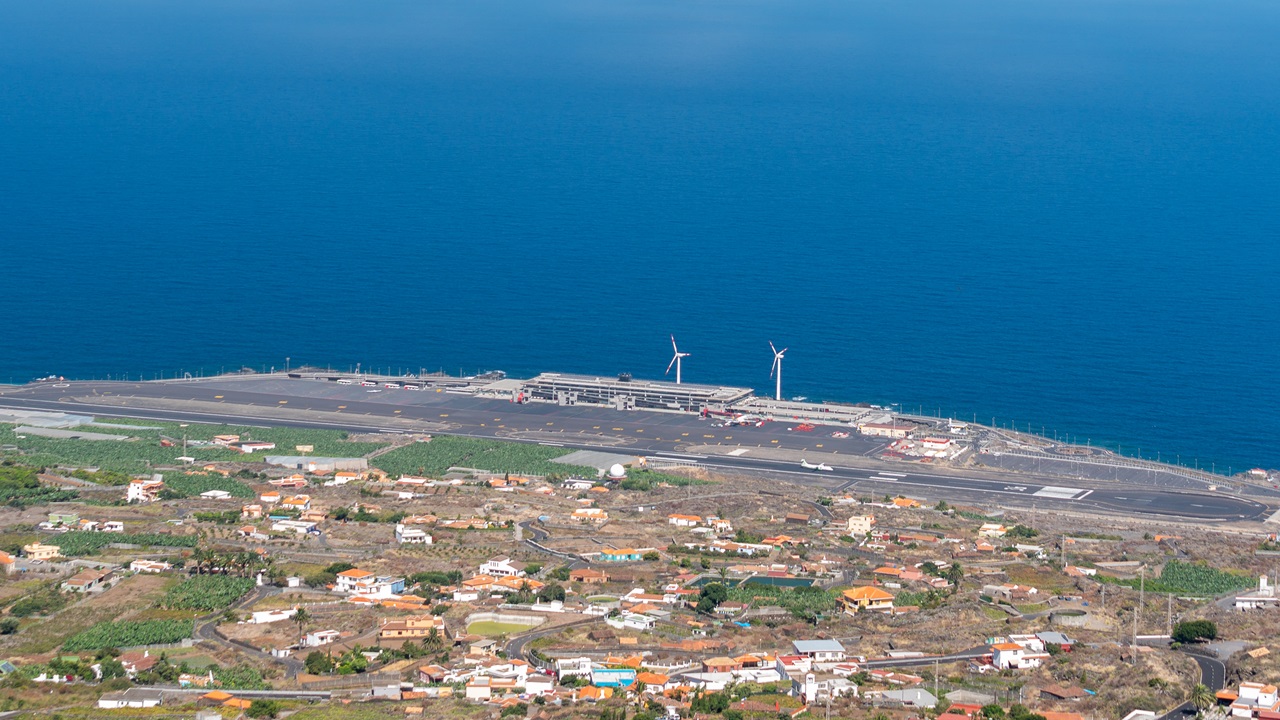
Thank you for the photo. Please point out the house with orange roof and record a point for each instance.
(590, 515)
(411, 627)
(684, 520)
(868, 598)
(143, 491)
(721, 664)
(1253, 699)
(251, 512)
(588, 576)
(512, 584)
(591, 693)
(296, 502)
(655, 683)
(213, 698)
(1012, 656)
(903, 502)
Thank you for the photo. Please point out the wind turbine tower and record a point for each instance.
(675, 360)
(777, 368)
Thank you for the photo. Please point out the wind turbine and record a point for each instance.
(675, 360)
(777, 367)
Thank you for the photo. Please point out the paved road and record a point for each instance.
(274, 401)
(518, 646)
(207, 629)
(1213, 673)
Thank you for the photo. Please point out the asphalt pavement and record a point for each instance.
(275, 401)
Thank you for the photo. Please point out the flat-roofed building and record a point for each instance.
(624, 393)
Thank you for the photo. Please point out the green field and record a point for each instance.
(493, 628)
(1188, 578)
(443, 452)
(145, 451)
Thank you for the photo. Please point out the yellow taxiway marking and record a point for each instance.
(283, 402)
(709, 436)
(773, 441)
(551, 423)
(617, 429)
(639, 430)
(502, 426)
(595, 427)
(684, 434)
(444, 414)
(481, 424)
(497, 419)
(819, 445)
(217, 397)
(342, 407)
(399, 411)
(728, 437)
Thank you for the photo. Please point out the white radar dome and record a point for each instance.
(617, 472)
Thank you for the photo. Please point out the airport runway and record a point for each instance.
(276, 401)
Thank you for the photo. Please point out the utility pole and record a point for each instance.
(1064, 550)
(1169, 621)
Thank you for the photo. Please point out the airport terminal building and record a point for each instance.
(624, 393)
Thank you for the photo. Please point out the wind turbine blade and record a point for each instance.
(673, 344)
(670, 364)
(784, 351)
(771, 347)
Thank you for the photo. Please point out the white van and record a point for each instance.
(344, 381)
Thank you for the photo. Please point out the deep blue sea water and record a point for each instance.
(1064, 213)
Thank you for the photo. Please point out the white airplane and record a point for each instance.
(823, 467)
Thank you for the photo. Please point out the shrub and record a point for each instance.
(263, 709)
(1194, 630)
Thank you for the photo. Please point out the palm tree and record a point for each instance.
(300, 618)
(1202, 697)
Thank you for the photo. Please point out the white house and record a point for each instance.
(683, 520)
(580, 666)
(412, 535)
(144, 491)
(632, 621)
(502, 567)
(149, 566)
(133, 697)
(320, 637)
(1012, 656)
(539, 685)
(1253, 698)
(216, 495)
(367, 584)
(263, 617)
(992, 530)
(299, 527)
(860, 525)
(821, 651)
(112, 526)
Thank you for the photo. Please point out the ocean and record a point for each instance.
(1063, 215)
